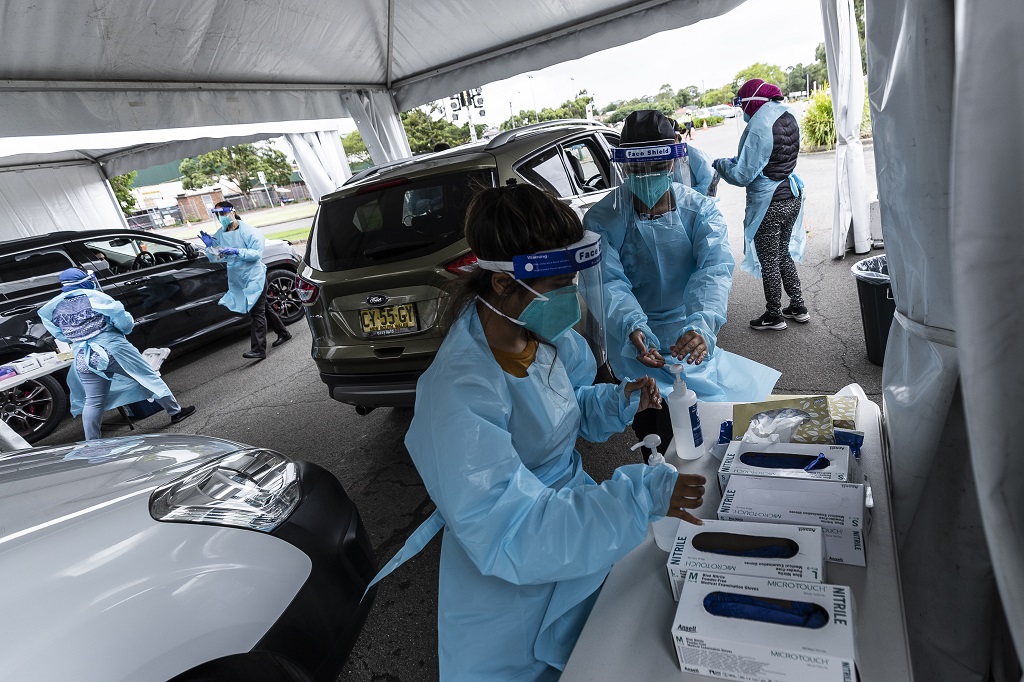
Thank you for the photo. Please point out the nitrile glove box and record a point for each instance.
(837, 507)
(767, 550)
(787, 460)
(23, 365)
(764, 629)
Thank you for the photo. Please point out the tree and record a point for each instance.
(424, 131)
(818, 71)
(769, 73)
(570, 108)
(796, 80)
(355, 148)
(858, 10)
(122, 186)
(239, 164)
(723, 95)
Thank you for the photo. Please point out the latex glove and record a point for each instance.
(229, 251)
(207, 239)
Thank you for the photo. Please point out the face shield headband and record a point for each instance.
(548, 315)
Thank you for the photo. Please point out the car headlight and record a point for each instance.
(254, 489)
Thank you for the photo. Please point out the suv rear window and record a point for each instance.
(398, 221)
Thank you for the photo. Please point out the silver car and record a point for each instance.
(173, 556)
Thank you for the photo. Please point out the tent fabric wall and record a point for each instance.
(321, 160)
(68, 197)
(986, 180)
(376, 117)
(846, 79)
(952, 606)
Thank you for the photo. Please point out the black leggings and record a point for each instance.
(771, 242)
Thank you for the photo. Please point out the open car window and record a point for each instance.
(123, 253)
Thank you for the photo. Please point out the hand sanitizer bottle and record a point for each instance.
(665, 529)
(682, 409)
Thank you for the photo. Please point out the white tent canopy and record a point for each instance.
(948, 212)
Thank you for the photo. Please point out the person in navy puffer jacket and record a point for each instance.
(772, 225)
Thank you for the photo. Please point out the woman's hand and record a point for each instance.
(650, 396)
(649, 356)
(690, 344)
(688, 494)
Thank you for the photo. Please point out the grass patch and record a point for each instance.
(298, 235)
(272, 216)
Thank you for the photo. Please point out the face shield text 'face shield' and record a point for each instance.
(581, 259)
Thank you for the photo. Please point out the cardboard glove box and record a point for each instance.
(788, 460)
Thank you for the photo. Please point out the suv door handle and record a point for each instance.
(139, 280)
(20, 310)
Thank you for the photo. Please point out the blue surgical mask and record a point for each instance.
(224, 219)
(746, 117)
(551, 315)
(650, 187)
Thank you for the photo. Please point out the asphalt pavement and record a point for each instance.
(281, 404)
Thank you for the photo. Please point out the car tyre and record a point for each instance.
(281, 295)
(35, 407)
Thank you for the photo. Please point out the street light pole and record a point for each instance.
(511, 115)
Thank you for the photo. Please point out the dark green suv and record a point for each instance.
(384, 245)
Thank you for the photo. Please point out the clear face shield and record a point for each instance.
(576, 304)
(645, 177)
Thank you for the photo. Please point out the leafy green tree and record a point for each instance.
(723, 95)
(424, 131)
(769, 73)
(795, 79)
(818, 71)
(355, 148)
(122, 186)
(858, 10)
(239, 164)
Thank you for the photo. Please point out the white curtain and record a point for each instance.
(846, 80)
(321, 160)
(986, 182)
(379, 124)
(67, 197)
(953, 610)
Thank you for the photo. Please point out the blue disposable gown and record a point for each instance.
(701, 170)
(142, 382)
(247, 275)
(666, 277)
(745, 170)
(528, 536)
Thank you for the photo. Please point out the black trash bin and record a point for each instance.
(877, 305)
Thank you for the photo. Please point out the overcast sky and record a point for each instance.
(707, 54)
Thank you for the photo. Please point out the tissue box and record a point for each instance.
(838, 469)
(837, 507)
(733, 647)
(715, 546)
(818, 429)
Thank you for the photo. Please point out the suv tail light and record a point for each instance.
(463, 265)
(306, 290)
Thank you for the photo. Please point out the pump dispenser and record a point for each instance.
(666, 528)
(682, 409)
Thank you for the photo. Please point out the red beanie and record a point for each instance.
(755, 87)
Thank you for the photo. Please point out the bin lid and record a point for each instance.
(874, 269)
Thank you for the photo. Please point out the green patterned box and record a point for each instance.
(818, 429)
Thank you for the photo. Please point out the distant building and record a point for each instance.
(197, 205)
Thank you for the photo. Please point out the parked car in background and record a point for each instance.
(724, 110)
(168, 285)
(174, 557)
(384, 245)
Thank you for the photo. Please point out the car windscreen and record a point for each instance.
(393, 221)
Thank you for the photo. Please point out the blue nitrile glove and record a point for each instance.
(229, 251)
(207, 239)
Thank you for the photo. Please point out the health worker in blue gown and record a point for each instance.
(108, 371)
(240, 246)
(528, 536)
(773, 233)
(668, 271)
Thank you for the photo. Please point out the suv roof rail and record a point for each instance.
(510, 135)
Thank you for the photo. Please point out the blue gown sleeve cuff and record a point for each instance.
(661, 483)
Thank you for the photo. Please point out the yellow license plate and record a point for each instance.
(391, 319)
